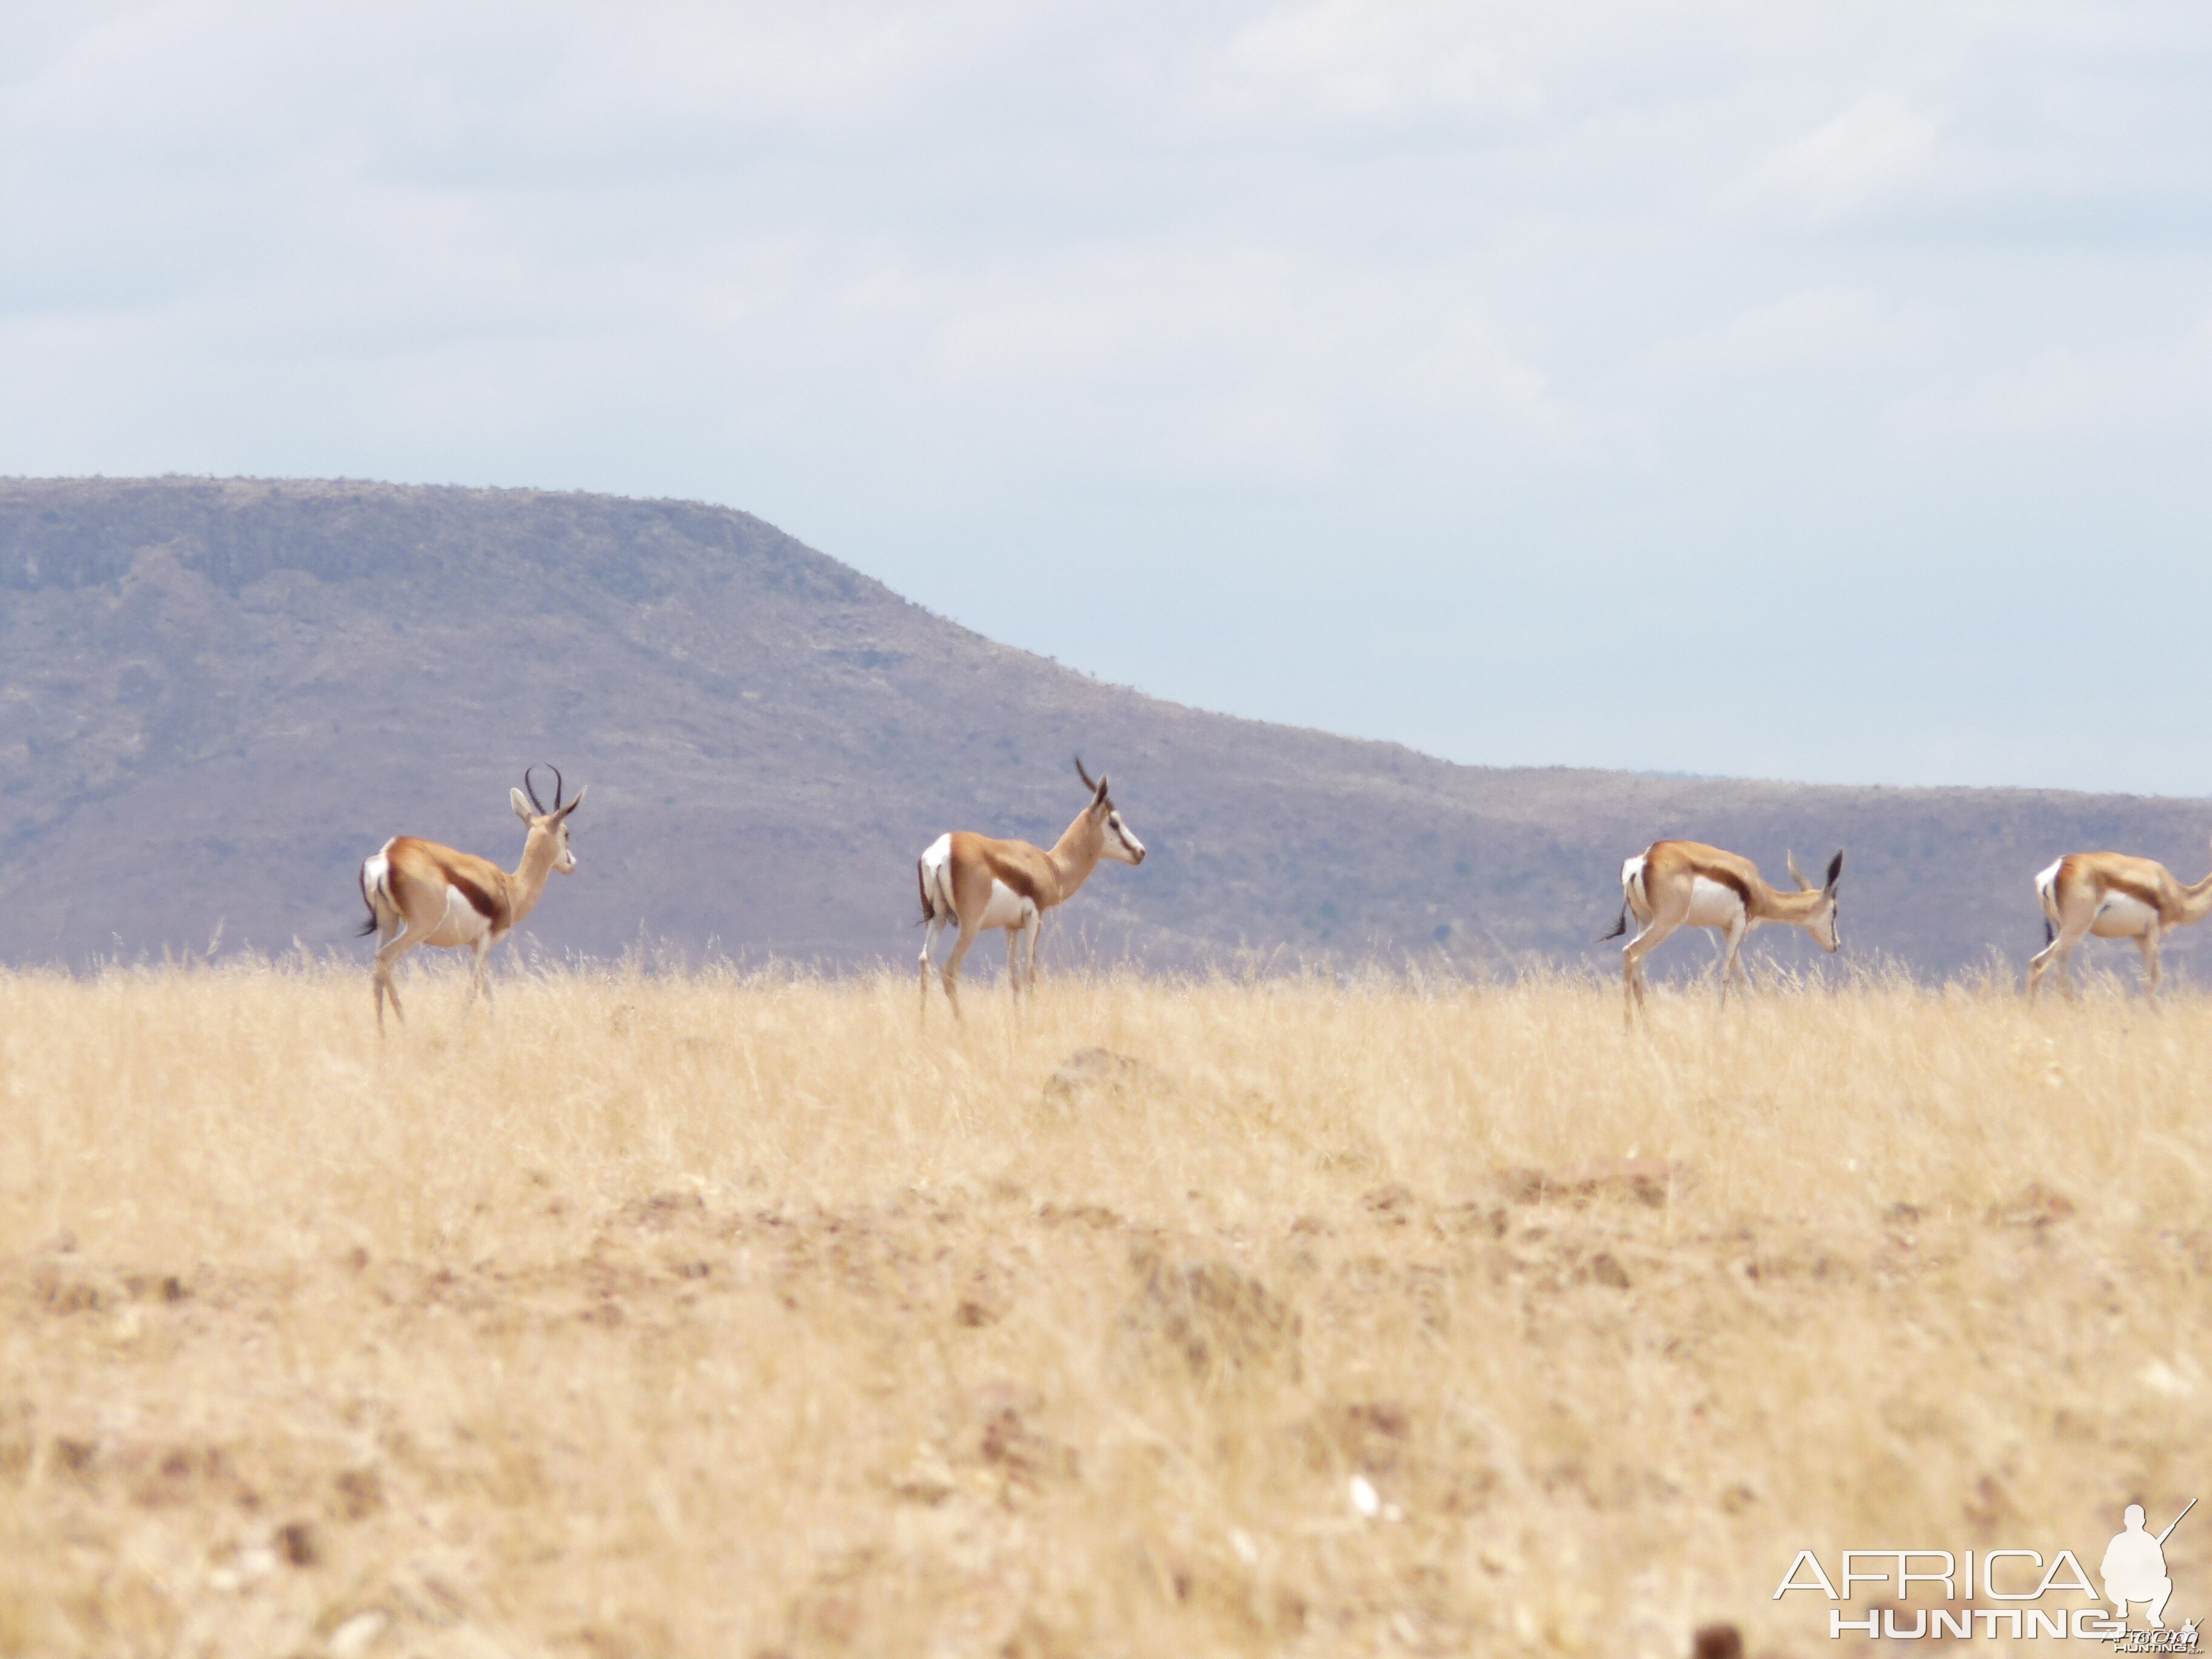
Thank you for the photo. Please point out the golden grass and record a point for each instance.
(719, 1317)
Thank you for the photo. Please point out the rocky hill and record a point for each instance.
(216, 697)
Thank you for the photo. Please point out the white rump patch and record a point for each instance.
(2047, 883)
(1631, 886)
(937, 877)
(376, 872)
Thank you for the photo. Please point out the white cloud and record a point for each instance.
(2072, 391)
(1817, 328)
(1862, 160)
(1387, 62)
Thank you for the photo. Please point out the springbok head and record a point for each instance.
(1821, 924)
(1115, 840)
(545, 820)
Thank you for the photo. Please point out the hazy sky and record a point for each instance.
(1814, 391)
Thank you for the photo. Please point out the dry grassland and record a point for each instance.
(703, 1316)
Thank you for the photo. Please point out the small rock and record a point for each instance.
(69, 1285)
(662, 1211)
(353, 1639)
(299, 1543)
(985, 1298)
(1100, 1073)
(1604, 1268)
(2035, 1206)
(927, 1480)
(1025, 1456)
(1369, 1436)
(360, 1493)
(1211, 1319)
(1392, 1206)
(1716, 1642)
(976, 1311)
(1649, 1181)
(1365, 1498)
(2172, 1382)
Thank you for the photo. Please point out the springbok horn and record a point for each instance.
(557, 784)
(531, 789)
(1797, 875)
(1085, 776)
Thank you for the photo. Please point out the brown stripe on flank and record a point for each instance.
(479, 900)
(1018, 879)
(1728, 878)
(2141, 895)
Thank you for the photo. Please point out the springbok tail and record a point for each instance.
(1619, 927)
(2049, 932)
(368, 926)
(922, 880)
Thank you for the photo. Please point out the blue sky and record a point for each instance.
(1817, 392)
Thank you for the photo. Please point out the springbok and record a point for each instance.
(978, 882)
(1678, 883)
(2113, 896)
(420, 893)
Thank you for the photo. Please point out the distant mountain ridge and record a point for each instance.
(216, 696)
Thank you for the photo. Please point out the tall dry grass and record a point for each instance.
(707, 1316)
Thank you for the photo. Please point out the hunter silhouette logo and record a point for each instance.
(2133, 1569)
(2003, 1590)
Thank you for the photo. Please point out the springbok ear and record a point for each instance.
(521, 803)
(1795, 874)
(563, 813)
(1835, 869)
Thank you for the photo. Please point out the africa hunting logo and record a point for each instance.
(2132, 1574)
